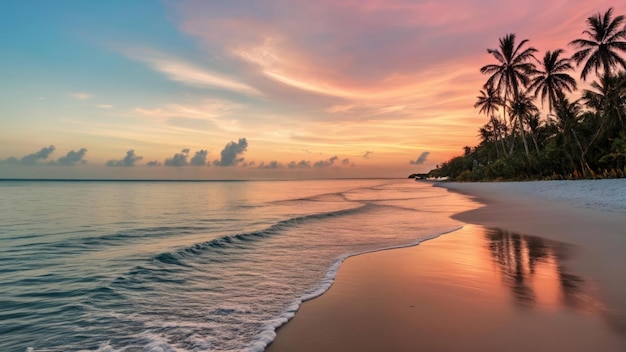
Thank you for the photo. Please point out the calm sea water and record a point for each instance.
(189, 266)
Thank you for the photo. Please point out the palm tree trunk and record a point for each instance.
(535, 141)
(512, 139)
(499, 131)
(495, 132)
(506, 93)
(521, 128)
(583, 160)
(521, 125)
(502, 145)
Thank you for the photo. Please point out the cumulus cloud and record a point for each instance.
(33, 158)
(70, 159)
(420, 159)
(154, 163)
(73, 157)
(128, 160)
(271, 165)
(231, 152)
(302, 164)
(179, 159)
(199, 159)
(40, 155)
(367, 154)
(10, 160)
(326, 163)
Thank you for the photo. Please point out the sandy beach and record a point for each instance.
(525, 273)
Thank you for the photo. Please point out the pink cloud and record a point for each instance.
(187, 73)
(396, 60)
(348, 44)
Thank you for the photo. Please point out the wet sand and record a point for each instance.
(523, 275)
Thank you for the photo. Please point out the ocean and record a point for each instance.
(189, 266)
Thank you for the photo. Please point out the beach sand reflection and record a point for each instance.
(477, 289)
(535, 271)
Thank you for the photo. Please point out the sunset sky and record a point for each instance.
(254, 89)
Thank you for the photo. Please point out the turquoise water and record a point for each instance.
(188, 266)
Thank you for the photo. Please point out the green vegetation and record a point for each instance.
(575, 138)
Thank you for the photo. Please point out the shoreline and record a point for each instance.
(268, 333)
(600, 236)
(349, 316)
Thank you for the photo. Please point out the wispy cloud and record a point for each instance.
(184, 72)
(381, 50)
(200, 110)
(310, 85)
(81, 95)
(217, 112)
(304, 80)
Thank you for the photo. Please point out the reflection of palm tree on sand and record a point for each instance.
(519, 257)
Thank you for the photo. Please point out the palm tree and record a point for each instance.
(567, 114)
(487, 134)
(608, 99)
(521, 108)
(553, 80)
(533, 120)
(488, 102)
(605, 38)
(568, 118)
(512, 72)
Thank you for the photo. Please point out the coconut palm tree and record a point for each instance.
(487, 134)
(553, 79)
(533, 120)
(512, 72)
(568, 117)
(608, 99)
(567, 114)
(521, 108)
(488, 101)
(606, 37)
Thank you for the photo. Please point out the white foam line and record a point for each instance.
(268, 332)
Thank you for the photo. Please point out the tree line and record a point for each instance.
(576, 138)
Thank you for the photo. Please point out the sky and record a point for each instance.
(269, 89)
